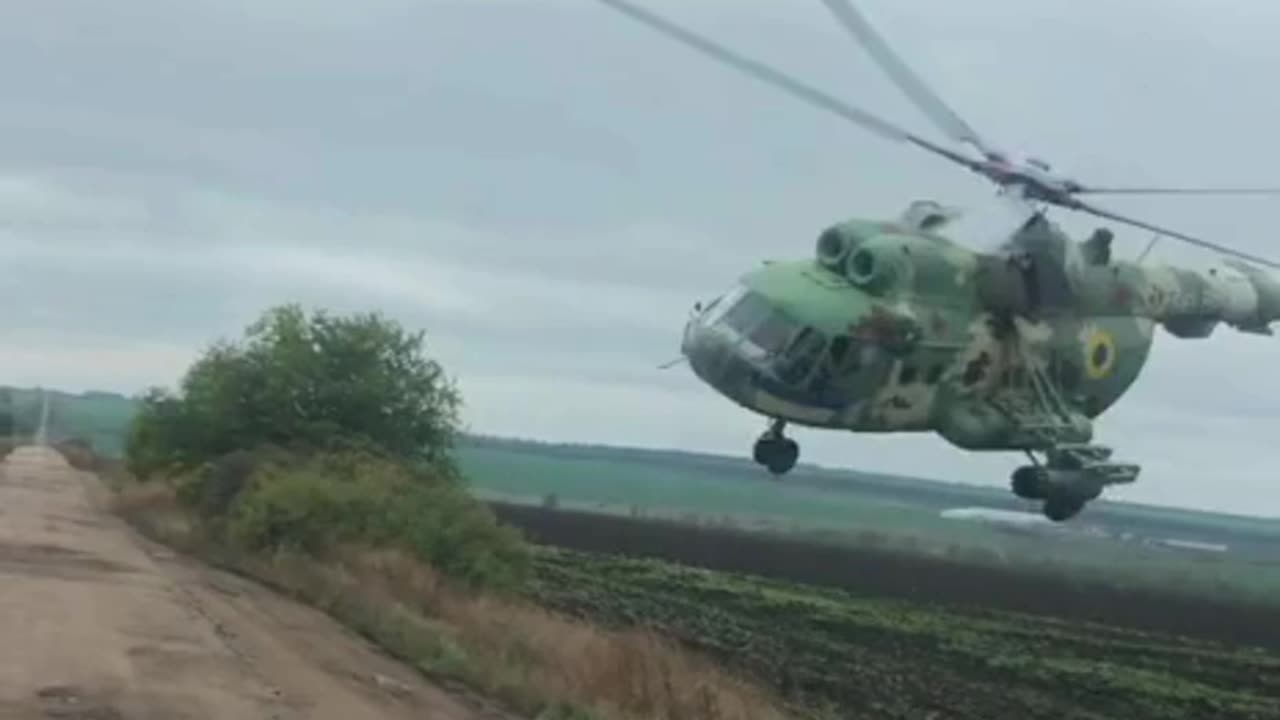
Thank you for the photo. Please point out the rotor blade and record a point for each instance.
(1085, 207)
(906, 80)
(1176, 191)
(806, 92)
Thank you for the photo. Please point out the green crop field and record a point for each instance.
(877, 658)
(668, 482)
(1115, 541)
(620, 485)
(100, 418)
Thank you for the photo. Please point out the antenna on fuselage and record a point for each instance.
(1150, 245)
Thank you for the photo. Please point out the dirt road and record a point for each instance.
(97, 623)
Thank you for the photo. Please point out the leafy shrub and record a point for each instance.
(335, 499)
(298, 510)
(303, 382)
(316, 431)
(211, 489)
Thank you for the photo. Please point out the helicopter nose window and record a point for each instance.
(715, 311)
(746, 313)
(772, 335)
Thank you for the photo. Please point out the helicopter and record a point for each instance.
(891, 326)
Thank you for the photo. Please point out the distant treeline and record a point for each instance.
(872, 571)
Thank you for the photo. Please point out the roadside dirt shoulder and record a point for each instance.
(101, 624)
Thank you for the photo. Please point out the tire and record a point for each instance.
(1058, 508)
(1030, 483)
(783, 456)
(762, 450)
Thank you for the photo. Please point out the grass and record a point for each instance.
(538, 662)
(601, 637)
(892, 659)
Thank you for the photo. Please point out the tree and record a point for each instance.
(158, 438)
(303, 382)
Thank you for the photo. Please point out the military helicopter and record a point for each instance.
(893, 327)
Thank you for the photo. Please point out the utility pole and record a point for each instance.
(42, 430)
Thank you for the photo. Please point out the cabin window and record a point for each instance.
(844, 355)
(801, 356)
(838, 349)
(935, 374)
(907, 375)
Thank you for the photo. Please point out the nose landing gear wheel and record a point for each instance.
(775, 451)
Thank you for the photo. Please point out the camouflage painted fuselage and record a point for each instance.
(894, 328)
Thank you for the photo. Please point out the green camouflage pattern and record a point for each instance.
(893, 327)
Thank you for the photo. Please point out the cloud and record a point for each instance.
(75, 363)
(546, 188)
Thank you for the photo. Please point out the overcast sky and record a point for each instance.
(546, 187)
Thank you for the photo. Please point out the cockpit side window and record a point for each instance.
(844, 355)
(838, 364)
(838, 350)
(802, 356)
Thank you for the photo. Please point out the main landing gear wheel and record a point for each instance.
(776, 451)
(1070, 477)
(1031, 482)
(1060, 507)
(1035, 482)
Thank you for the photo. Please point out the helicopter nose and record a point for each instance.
(701, 347)
(714, 358)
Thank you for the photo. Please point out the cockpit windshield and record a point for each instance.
(773, 335)
(744, 314)
(757, 321)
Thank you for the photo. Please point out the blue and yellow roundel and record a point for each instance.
(1099, 354)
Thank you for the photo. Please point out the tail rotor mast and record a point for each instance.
(1030, 178)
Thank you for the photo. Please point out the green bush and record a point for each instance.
(211, 489)
(335, 499)
(298, 510)
(317, 431)
(303, 382)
